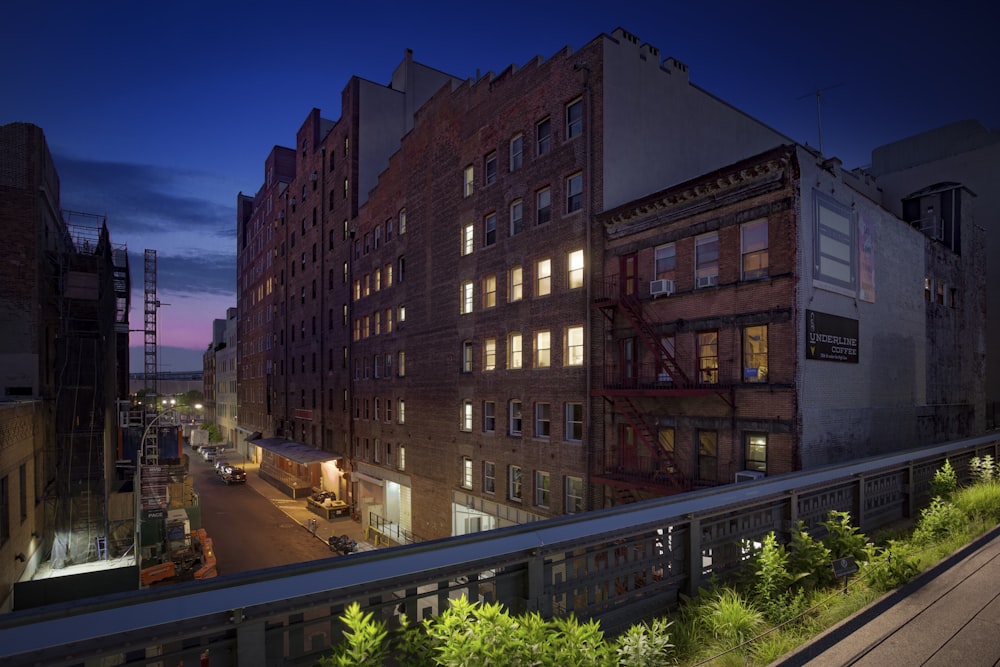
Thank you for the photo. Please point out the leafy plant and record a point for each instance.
(937, 520)
(888, 568)
(810, 558)
(843, 539)
(944, 482)
(646, 645)
(984, 469)
(364, 641)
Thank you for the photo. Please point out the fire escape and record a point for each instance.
(640, 465)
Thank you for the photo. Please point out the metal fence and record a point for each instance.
(618, 565)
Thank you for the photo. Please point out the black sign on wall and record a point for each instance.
(831, 338)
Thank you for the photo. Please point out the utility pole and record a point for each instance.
(818, 92)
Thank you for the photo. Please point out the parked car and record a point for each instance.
(233, 475)
(209, 453)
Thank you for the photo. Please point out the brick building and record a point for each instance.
(64, 302)
(771, 316)
(414, 296)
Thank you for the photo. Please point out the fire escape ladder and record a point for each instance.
(632, 309)
(649, 440)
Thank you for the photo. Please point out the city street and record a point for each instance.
(249, 531)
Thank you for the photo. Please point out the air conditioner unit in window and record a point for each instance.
(749, 475)
(708, 281)
(661, 287)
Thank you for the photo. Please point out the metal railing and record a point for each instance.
(617, 565)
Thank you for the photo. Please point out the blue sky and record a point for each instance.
(158, 114)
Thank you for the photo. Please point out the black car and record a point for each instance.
(232, 475)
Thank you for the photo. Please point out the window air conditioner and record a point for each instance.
(661, 287)
(749, 475)
(708, 281)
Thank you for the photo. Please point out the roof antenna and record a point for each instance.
(819, 119)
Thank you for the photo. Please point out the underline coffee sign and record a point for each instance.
(831, 338)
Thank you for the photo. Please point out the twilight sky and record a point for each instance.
(158, 114)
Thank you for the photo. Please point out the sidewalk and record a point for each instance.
(948, 615)
(296, 509)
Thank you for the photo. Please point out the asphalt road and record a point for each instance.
(248, 531)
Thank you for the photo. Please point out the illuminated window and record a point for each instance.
(489, 354)
(543, 277)
(755, 354)
(542, 482)
(515, 291)
(466, 296)
(708, 357)
(573, 347)
(470, 182)
(489, 291)
(514, 353)
(467, 239)
(575, 269)
(755, 451)
(542, 349)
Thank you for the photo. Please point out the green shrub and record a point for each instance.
(842, 539)
(944, 482)
(937, 521)
(810, 559)
(364, 641)
(645, 645)
(984, 469)
(891, 567)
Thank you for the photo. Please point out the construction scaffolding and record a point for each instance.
(93, 301)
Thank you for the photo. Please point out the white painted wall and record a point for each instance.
(854, 410)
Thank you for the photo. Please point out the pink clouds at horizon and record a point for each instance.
(183, 320)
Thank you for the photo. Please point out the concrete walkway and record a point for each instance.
(949, 615)
(296, 509)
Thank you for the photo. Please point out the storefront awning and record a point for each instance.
(299, 452)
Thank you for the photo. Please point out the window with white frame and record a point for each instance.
(516, 217)
(574, 495)
(516, 152)
(489, 291)
(515, 423)
(489, 416)
(470, 182)
(543, 419)
(573, 347)
(489, 477)
(468, 234)
(543, 136)
(401, 412)
(543, 349)
(401, 363)
(466, 356)
(835, 251)
(542, 488)
(574, 269)
(543, 206)
(515, 354)
(466, 423)
(574, 118)
(489, 354)
(388, 410)
(466, 472)
(515, 488)
(515, 290)
(490, 230)
(573, 427)
(466, 296)
(574, 193)
(402, 220)
(402, 458)
(543, 277)
(706, 260)
(753, 238)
